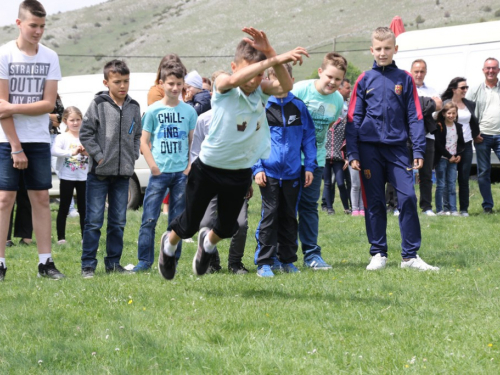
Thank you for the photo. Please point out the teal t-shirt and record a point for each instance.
(324, 109)
(239, 133)
(169, 128)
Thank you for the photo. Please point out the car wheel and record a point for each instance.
(134, 195)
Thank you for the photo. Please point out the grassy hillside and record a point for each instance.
(142, 32)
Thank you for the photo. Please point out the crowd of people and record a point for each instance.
(206, 140)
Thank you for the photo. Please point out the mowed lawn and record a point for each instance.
(347, 320)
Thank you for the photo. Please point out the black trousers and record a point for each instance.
(203, 184)
(277, 230)
(425, 174)
(23, 223)
(66, 189)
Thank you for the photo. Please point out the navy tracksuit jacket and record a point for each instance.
(384, 114)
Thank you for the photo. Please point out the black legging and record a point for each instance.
(66, 191)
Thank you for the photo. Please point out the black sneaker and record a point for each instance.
(3, 271)
(49, 270)
(166, 264)
(117, 268)
(237, 268)
(87, 272)
(9, 243)
(201, 259)
(214, 266)
(488, 210)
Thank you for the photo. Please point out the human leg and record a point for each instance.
(287, 221)
(339, 177)
(328, 187)
(66, 188)
(425, 174)
(177, 202)
(266, 233)
(483, 155)
(451, 180)
(356, 197)
(117, 218)
(81, 188)
(308, 214)
(440, 184)
(23, 224)
(95, 201)
(463, 169)
(238, 241)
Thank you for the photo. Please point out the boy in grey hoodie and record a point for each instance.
(110, 133)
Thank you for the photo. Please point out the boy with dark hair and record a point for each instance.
(29, 72)
(292, 132)
(167, 133)
(384, 114)
(110, 133)
(238, 137)
(324, 103)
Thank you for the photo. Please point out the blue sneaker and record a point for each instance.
(265, 271)
(142, 267)
(277, 266)
(290, 268)
(315, 262)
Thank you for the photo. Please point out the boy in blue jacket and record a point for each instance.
(292, 131)
(384, 114)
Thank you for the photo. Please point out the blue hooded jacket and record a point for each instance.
(385, 109)
(292, 131)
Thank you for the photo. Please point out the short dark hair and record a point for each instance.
(335, 59)
(116, 66)
(33, 6)
(344, 81)
(172, 68)
(245, 51)
(172, 57)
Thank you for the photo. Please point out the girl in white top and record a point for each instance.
(72, 168)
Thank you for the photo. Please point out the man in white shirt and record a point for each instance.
(487, 99)
(419, 71)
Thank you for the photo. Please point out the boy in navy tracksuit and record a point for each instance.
(384, 114)
(292, 131)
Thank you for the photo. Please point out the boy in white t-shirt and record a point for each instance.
(29, 73)
(238, 137)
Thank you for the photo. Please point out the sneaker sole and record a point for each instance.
(50, 277)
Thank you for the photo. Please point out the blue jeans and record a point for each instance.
(463, 176)
(116, 189)
(446, 177)
(308, 214)
(329, 189)
(483, 155)
(155, 193)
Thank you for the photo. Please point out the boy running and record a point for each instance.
(238, 137)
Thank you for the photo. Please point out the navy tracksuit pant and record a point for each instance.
(276, 233)
(379, 164)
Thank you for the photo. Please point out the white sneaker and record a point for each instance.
(443, 213)
(429, 213)
(73, 213)
(455, 213)
(61, 242)
(396, 212)
(464, 213)
(377, 263)
(418, 264)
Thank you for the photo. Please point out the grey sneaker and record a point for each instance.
(201, 259)
(49, 270)
(87, 272)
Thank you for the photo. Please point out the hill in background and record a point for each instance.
(205, 32)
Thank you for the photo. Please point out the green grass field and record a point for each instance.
(343, 321)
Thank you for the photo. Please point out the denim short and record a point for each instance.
(38, 175)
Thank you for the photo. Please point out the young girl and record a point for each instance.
(72, 163)
(449, 145)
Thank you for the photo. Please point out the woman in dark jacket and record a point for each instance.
(456, 93)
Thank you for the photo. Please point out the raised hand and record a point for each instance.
(295, 55)
(259, 42)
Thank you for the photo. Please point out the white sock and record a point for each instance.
(43, 258)
(208, 246)
(2, 260)
(168, 248)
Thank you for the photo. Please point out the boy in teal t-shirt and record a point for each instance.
(168, 126)
(325, 106)
(238, 137)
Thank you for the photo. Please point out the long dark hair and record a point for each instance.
(448, 93)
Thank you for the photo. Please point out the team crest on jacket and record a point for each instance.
(398, 89)
(368, 174)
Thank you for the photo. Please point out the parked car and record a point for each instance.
(79, 91)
